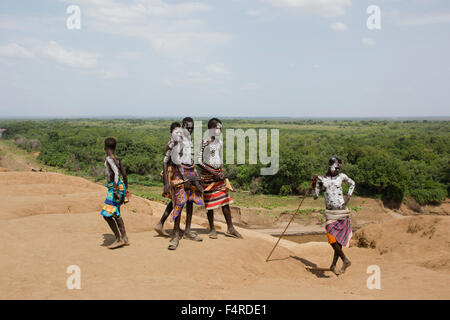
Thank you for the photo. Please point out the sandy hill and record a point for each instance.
(50, 221)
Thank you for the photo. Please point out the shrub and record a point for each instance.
(285, 190)
(430, 193)
(256, 185)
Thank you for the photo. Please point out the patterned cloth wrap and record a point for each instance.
(112, 206)
(182, 195)
(170, 170)
(339, 228)
(217, 196)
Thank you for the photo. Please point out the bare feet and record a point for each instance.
(160, 230)
(346, 264)
(232, 232)
(173, 244)
(334, 270)
(126, 241)
(116, 244)
(212, 234)
(192, 236)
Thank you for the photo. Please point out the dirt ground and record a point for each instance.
(14, 159)
(50, 221)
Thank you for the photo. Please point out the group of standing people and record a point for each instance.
(184, 186)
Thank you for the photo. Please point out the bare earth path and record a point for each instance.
(50, 221)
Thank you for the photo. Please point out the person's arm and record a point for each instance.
(350, 189)
(222, 174)
(175, 155)
(316, 186)
(114, 168)
(200, 154)
(124, 175)
(166, 160)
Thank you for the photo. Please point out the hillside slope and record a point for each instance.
(50, 221)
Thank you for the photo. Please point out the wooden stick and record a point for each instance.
(293, 216)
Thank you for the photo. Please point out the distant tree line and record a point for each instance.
(387, 159)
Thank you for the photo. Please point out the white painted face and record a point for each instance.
(335, 167)
(177, 134)
(217, 131)
(186, 132)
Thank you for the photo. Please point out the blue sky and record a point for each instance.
(265, 58)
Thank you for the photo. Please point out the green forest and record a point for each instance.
(390, 160)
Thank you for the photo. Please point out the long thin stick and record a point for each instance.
(293, 216)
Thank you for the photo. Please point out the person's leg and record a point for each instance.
(212, 230)
(159, 228)
(173, 244)
(231, 231)
(338, 250)
(345, 260)
(112, 224)
(188, 234)
(181, 199)
(335, 259)
(122, 230)
(189, 209)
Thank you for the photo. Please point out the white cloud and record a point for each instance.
(217, 69)
(325, 8)
(71, 58)
(339, 26)
(130, 55)
(255, 12)
(425, 19)
(208, 74)
(170, 28)
(14, 50)
(368, 42)
(138, 9)
(198, 77)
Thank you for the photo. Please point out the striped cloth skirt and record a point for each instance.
(339, 230)
(217, 196)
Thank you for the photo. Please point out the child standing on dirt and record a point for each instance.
(338, 226)
(117, 191)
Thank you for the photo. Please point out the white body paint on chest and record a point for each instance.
(332, 190)
(211, 153)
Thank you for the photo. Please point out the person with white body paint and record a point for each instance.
(338, 226)
(216, 186)
(181, 181)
